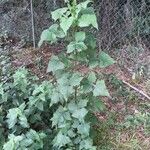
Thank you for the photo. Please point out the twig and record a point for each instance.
(137, 90)
(32, 20)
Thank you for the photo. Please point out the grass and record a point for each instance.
(128, 128)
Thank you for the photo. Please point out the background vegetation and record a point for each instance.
(30, 102)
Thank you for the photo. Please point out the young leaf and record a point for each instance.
(66, 23)
(57, 14)
(83, 5)
(55, 64)
(88, 19)
(100, 89)
(105, 60)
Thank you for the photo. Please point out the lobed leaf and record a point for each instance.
(55, 64)
(100, 89)
(105, 60)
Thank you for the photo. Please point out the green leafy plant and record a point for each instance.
(74, 93)
(23, 101)
(54, 114)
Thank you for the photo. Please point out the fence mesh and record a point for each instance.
(121, 22)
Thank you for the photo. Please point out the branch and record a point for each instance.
(137, 90)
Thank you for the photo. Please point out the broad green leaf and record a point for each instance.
(13, 143)
(72, 106)
(92, 118)
(55, 64)
(90, 41)
(79, 46)
(92, 77)
(60, 33)
(51, 34)
(93, 63)
(82, 103)
(76, 123)
(66, 23)
(40, 106)
(32, 134)
(75, 79)
(20, 80)
(55, 97)
(97, 105)
(86, 87)
(47, 35)
(61, 140)
(12, 117)
(17, 115)
(3, 95)
(80, 113)
(87, 144)
(100, 89)
(71, 47)
(66, 91)
(80, 36)
(71, 134)
(105, 60)
(60, 116)
(84, 129)
(88, 19)
(83, 5)
(9, 145)
(64, 86)
(57, 31)
(23, 121)
(57, 117)
(64, 79)
(57, 14)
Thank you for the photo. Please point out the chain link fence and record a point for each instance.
(121, 22)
